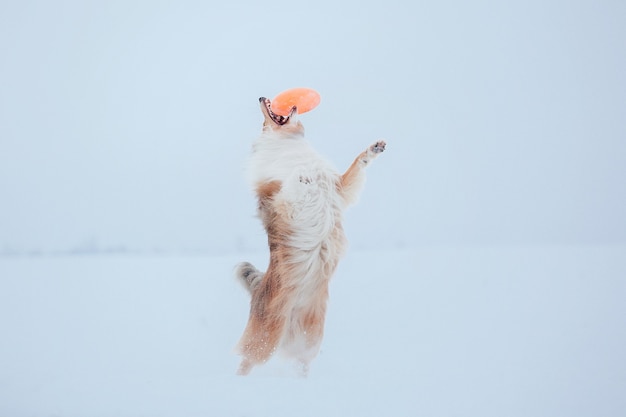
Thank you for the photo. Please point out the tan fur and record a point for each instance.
(274, 295)
(288, 302)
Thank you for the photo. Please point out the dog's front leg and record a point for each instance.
(352, 180)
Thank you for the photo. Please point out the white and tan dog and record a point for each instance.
(300, 201)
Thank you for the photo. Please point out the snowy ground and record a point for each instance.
(432, 332)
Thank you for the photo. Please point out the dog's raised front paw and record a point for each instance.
(378, 147)
(372, 152)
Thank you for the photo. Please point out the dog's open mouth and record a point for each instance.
(276, 118)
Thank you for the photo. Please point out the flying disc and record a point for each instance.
(305, 99)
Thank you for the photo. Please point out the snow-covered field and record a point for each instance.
(524, 331)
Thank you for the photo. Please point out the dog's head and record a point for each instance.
(284, 126)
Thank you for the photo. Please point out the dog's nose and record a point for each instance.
(262, 99)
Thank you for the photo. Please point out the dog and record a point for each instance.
(301, 198)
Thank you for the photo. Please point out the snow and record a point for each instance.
(437, 331)
(488, 263)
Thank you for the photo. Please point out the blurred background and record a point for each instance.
(125, 125)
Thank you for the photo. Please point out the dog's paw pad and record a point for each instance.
(378, 147)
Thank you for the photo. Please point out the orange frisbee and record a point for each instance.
(305, 99)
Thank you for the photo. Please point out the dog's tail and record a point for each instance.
(248, 275)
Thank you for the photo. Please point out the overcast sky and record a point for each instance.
(126, 124)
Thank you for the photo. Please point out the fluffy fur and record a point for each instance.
(300, 202)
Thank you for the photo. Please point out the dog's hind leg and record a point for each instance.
(313, 337)
(351, 182)
(266, 321)
(259, 341)
(248, 276)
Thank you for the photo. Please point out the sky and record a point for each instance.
(125, 125)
